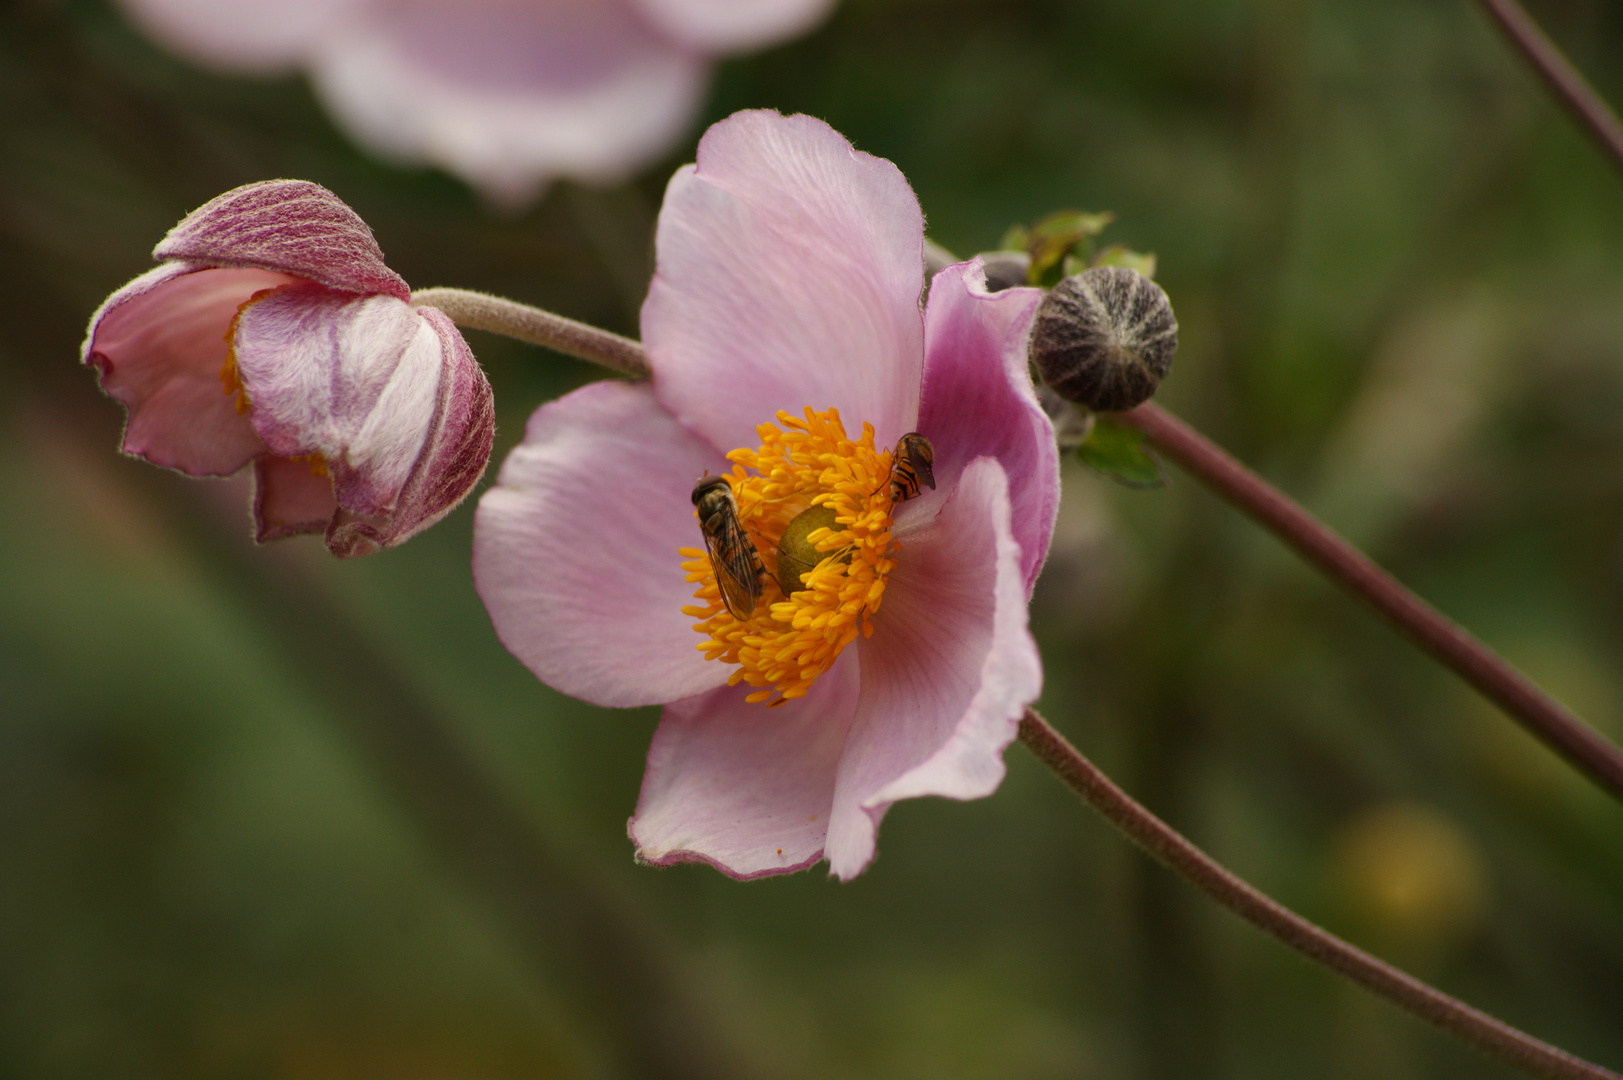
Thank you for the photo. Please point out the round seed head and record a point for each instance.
(1105, 338)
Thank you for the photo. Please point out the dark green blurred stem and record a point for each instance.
(621, 983)
(1564, 80)
(1176, 853)
(1350, 568)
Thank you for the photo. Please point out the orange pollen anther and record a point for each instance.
(789, 640)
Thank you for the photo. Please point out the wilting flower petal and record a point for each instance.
(789, 267)
(274, 333)
(508, 94)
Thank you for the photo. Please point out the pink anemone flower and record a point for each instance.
(506, 94)
(274, 334)
(789, 354)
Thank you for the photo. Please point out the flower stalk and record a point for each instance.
(1564, 80)
(481, 311)
(1434, 633)
(1444, 641)
(1174, 851)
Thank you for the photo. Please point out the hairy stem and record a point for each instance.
(1564, 80)
(1350, 568)
(1173, 851)
(481, 311)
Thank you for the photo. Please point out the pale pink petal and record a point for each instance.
(949, 670)
(238, 35)
(742, 787)
(979, 401)
(722, 26)
(575, 549)
(449, 464)
(389, 395)
(159, 345)
(510, 93)
(789, 272)
(352, 378)
(293, 226)
(290, 497)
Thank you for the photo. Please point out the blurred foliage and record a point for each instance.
(1399, 275)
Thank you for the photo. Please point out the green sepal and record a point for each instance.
(1122, 255)
(1119, 454)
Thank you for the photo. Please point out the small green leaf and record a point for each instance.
(1016, 239)
(1058, 235)
(1119, 453)
(1121, 255)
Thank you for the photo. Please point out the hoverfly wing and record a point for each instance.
(911, 464)
(733, 557)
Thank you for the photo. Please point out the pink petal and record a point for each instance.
(293, 226)
(510, 93)
(290, 498)
(575, 549)
(789, 272)
(237, 35)
(721, 26)
(979, 402)
(447, 468)
(389, 395)
(353, 378)
(159, 344)
(949, 670)
(742, 787)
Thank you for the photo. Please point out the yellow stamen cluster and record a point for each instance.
(790, 640)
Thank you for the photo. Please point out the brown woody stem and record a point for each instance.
(1350, 568)
(1173, 851)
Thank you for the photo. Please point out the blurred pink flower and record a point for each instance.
(789, 274)
(507, 94)
(274, 334)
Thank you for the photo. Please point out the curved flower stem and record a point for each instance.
(1565, 80)
(1350, 568)
(1173, 851)
(481, 311)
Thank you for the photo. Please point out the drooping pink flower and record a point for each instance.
(789, 353)
(274, 334)
(505, 93)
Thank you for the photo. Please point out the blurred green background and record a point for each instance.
(267, 815)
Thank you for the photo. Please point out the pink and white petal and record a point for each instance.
(290, 498)
(449, 463)
(789, 272)
(159, 344)
(509, 94)
(317, 363)
(742, 787)
(292, 226)
(238, 35)
(575, 549)
(724, 26)
(949, 670)
(979, 401)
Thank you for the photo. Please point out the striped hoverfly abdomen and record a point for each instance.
(736, 563)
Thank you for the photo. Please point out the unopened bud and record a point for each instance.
(1105, 338)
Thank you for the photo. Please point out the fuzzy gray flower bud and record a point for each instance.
(1105, 338)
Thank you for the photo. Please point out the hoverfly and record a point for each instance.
(736, 562)
(910, 466)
